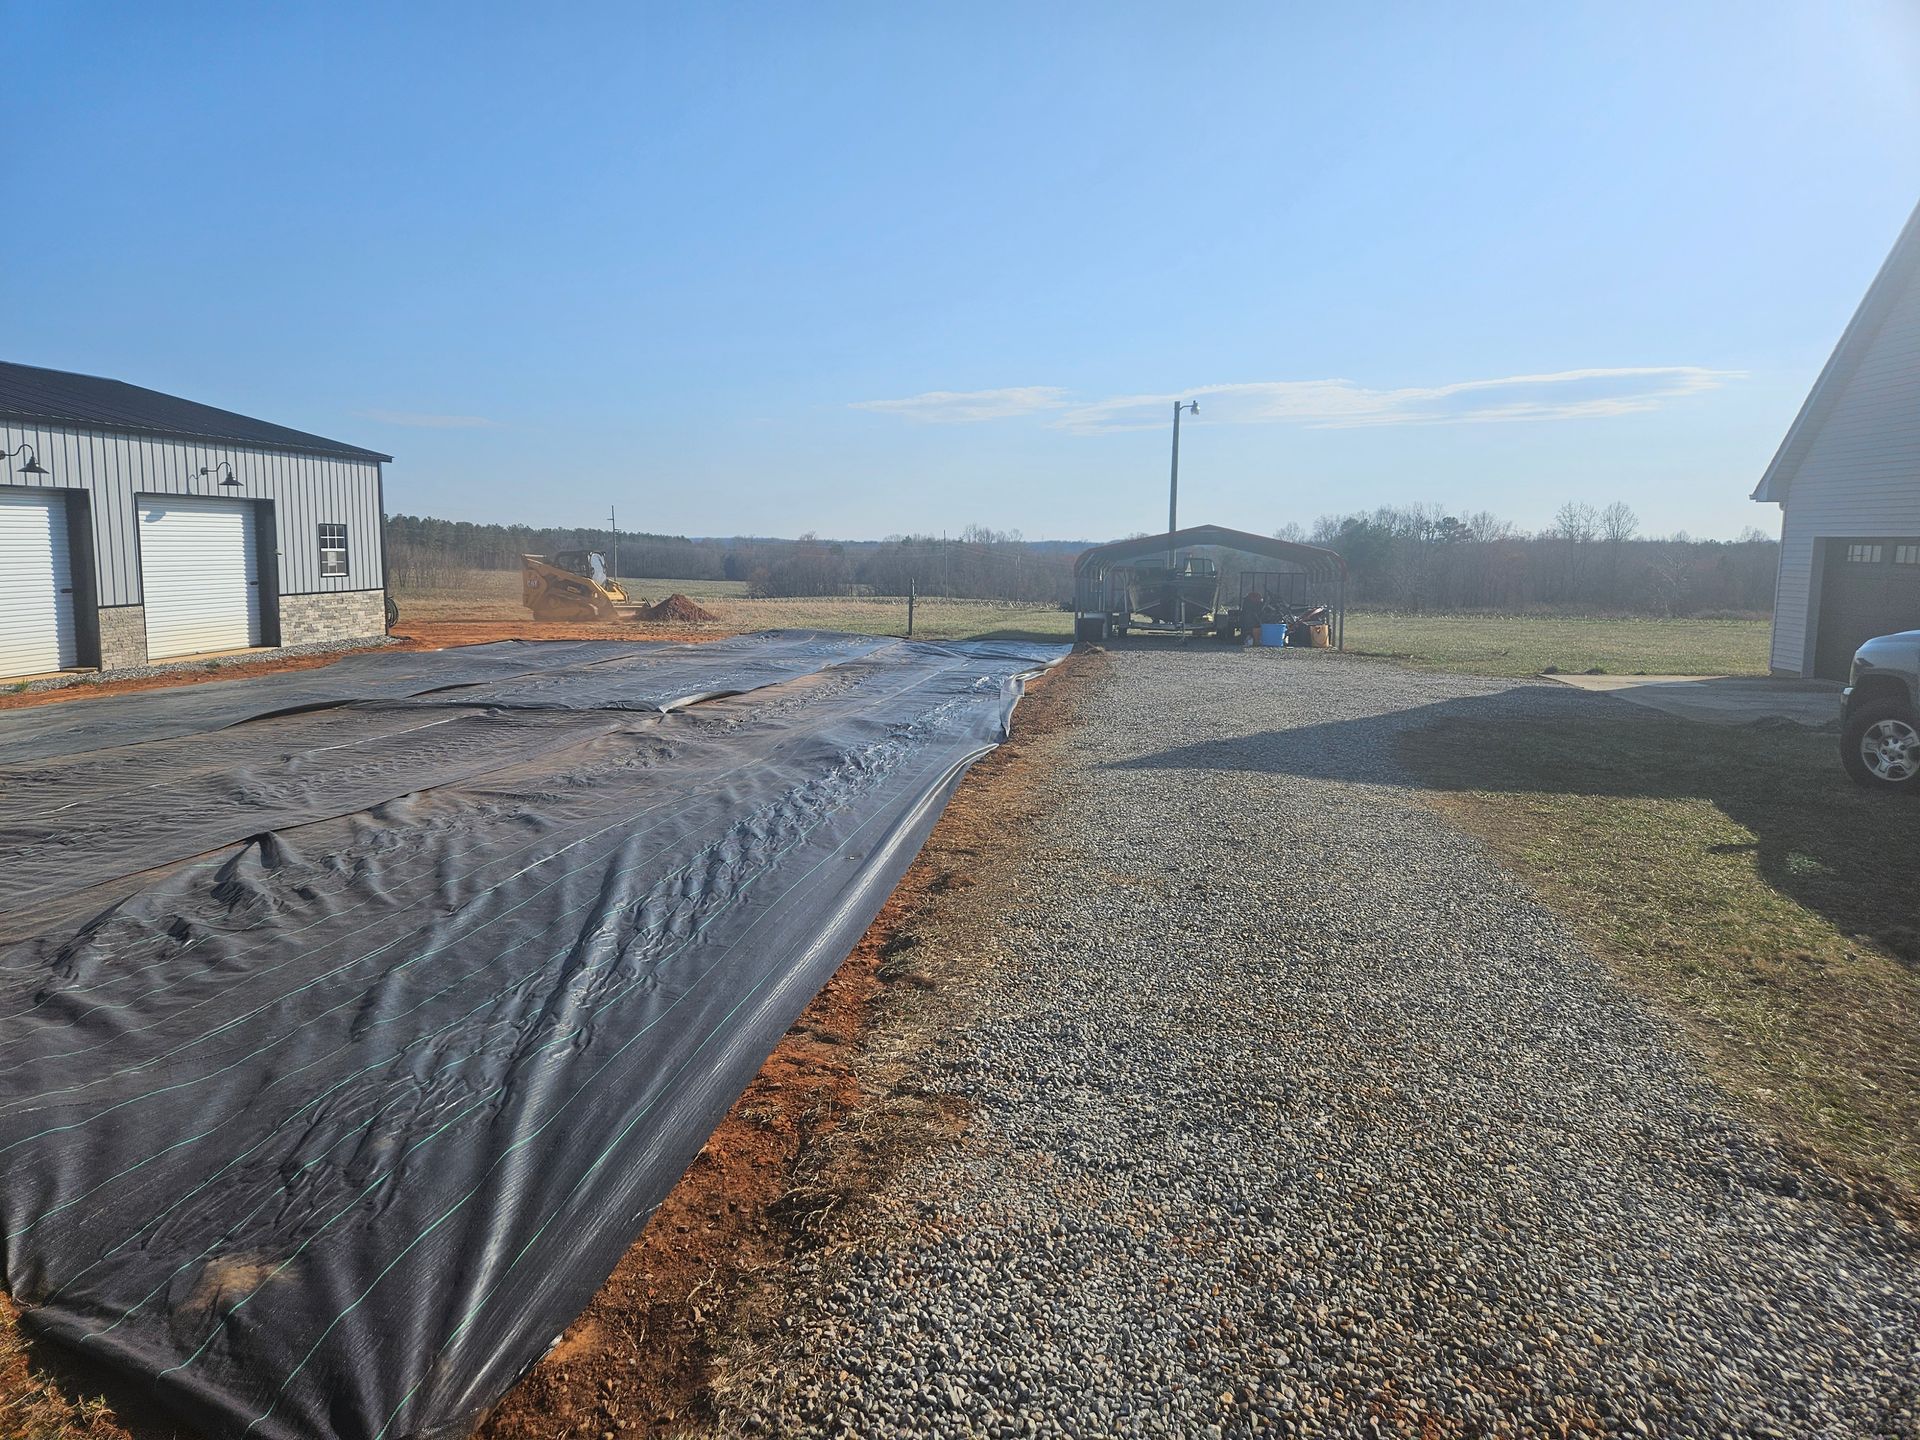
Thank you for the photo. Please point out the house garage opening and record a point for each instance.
(200, 574)
(1869, 586)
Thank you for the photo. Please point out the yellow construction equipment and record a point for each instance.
(574, 586)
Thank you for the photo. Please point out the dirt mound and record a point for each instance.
(679, 607)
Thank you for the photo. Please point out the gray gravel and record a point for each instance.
(1380, 1150)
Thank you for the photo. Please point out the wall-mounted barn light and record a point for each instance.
(232, 482)
(33, 465)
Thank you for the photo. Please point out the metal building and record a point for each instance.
(138, 527)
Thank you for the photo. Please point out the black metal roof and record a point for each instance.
(1315, 560)
(61, 398)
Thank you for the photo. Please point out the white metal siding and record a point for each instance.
(36, 585)
(199, 563)
(1860, 477)
(296, 490)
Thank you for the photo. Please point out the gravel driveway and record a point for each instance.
(1363, 1152)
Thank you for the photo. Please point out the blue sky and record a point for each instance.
(864, 269)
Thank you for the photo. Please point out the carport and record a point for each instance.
(1291, 574)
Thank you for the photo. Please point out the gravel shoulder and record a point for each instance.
(1288, 1111)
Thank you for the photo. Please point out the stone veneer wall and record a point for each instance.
(337, 615)
(123, 636)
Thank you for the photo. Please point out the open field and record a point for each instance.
(1528, 644)
(494, 595)
(1475, 644)
(1734, 876)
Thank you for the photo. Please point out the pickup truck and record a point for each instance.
(1880, 714)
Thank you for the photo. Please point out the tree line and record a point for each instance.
(1421, 558)
(425, 553)
(1411, 558)
(982, 564)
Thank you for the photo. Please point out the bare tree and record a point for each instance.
(1618, 523)
(1576, 522)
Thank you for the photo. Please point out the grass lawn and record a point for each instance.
(1528, 644)
(1735, 877)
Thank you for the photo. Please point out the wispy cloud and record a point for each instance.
(1323, 404)
(955, 407)
(417, 421)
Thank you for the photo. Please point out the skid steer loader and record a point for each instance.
(574, 586)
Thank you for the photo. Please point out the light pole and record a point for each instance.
(1173, 485)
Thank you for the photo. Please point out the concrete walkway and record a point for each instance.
(1720, 699)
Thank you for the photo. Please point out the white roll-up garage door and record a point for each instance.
(199, 575)
(36, 585)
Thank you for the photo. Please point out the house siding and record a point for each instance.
(1859, 476)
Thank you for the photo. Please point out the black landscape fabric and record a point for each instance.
(496, 673)
(302, 746)
(331, 1130)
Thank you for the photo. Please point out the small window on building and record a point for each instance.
(333, 549)
(1906, 554)
(1865, 554)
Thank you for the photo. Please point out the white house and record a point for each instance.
(1848, 479)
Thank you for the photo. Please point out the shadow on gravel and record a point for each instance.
(1846, 854)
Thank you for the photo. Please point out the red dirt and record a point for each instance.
(678, 608)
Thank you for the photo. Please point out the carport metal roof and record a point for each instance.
(1316, 561)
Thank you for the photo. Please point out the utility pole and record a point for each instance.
(1173, 485)
(910, 597)
(614, 525)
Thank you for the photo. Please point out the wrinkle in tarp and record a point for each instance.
(332, 1130)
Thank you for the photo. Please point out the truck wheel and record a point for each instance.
(1880, 746)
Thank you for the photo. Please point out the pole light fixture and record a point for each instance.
(1192, 407)
(33, 465)
(231, 482)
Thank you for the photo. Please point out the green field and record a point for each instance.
(1529, 644)
(1479, 644)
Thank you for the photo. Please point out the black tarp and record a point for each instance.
(331, 1131)
(667, 674)
(300, 746)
